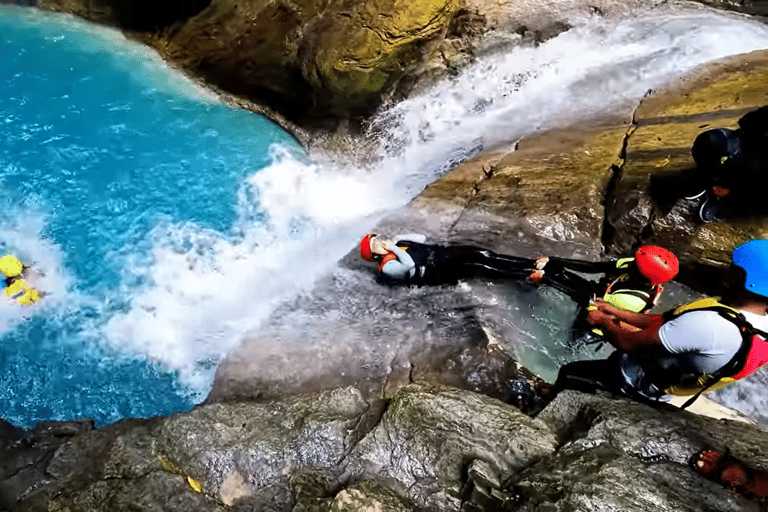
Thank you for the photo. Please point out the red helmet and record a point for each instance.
(365, 247)
(656, 263)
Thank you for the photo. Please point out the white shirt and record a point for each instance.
(708, 339)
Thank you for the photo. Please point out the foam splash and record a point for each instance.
(21, 235)
(205, 290)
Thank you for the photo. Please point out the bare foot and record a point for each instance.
(731, 474)
(535, 277)
(707, 462)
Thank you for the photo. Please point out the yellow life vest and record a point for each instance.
(10, 266)
(627, 299)
(705, 382)
(22, 292)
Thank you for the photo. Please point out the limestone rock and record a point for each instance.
(630, 457)
(321, 61)
(433, 447)
(369, 496)
(607, 186)
(309, 59)
(547, 194)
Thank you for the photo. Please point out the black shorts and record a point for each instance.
(591, 376)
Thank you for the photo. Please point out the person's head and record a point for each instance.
(372, 247)
(750, 268)
(10, 266)
(657, 264)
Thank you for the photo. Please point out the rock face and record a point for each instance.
(548, 192)
(320, 58)
(319, 62)
(658, 153)
(432, 449)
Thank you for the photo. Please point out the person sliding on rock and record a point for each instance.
(633, 283)
(689, 350)
(408, 259)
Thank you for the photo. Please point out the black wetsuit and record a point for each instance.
(736, 160)
(438, 264)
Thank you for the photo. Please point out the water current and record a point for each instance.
(168, 224)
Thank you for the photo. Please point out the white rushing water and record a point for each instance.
(316, 212)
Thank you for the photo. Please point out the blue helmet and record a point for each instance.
(753, 258)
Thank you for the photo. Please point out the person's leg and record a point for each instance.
(479, 262)
(589, 376)
(578, 288)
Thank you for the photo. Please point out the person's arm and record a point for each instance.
(411, 237)
(638, 320)
(624, 335)
(398, 268)
(587, 267)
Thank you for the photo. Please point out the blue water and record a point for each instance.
(101, 145)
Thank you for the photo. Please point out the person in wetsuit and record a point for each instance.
(633, 284)
(408, 259)
(731, 168)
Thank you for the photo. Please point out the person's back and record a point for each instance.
(704, 337)
(731, 165)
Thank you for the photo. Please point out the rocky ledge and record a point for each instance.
(424, 423)
(432, 448)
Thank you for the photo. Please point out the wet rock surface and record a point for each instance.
(625, 185)
(430, 448)
(323, 63)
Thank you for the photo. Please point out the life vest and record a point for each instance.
(20, 291)
(751, 355)
(423, 256)
(621, 292)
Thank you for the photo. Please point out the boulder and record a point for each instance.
(321, 63)
(431, 448)
(312, 61)
(434, 449)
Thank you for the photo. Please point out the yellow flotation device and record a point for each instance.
(21, 291)
(10, 266)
